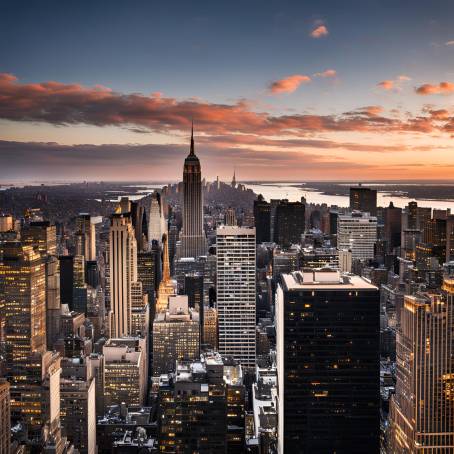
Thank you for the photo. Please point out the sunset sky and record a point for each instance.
(283, 90)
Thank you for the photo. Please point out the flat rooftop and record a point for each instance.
(325, 279)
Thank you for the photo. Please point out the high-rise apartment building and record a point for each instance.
(192, 236)
(236, 280)
(363, 199)
(358, 232)
(422, 408)
(122, 272)
(327, 333)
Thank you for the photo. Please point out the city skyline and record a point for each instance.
(299, 91)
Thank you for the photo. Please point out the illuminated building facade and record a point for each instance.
(327, 333)
(422, 408)
(167, 286)
(176, 335)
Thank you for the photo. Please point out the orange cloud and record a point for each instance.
(386, 84)
(319, 31)
(289, 84)
(326, 73)
(443, 88)
(68, 104)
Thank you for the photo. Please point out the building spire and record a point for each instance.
(191, 152)
(165, 259)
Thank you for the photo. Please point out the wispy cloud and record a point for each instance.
(386, 84)
(319, 31)
(326, 73)
(443, 88)
(288, 84)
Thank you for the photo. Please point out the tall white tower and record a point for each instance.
(236, 292)
(122, 272)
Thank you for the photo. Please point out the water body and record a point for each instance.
(294, 191)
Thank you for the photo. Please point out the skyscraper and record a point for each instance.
(327, 333)
(236, 278)
(357, 232)
(86, 237)
(5, 415)
(156, 222)
(363, 199)
(123, 271)
(422, 408)
(262, 218)
(192, 237)
(288, 223)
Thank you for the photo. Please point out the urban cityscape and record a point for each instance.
(201, 273)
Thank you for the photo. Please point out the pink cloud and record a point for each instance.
(327, 73)
(67, 104)
(403, 78)
(386, 84)
(442, 88)
(288, 84)
(319, 31)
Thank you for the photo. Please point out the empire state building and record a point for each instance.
(193, 240)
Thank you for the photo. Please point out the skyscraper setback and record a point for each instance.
(192, 237)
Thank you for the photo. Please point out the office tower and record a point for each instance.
(66, 279)
(236, 293)
(327, 333)
(210, 328)
(288, 223)
(33, 373)
(42, 236)
(358, 232)
(193, 288)
(393, 227)
(79, 271)
(86, 237)
(5, 415)
(92, 273)
(123, 271)
(422, 408)
(410, 238)
(78, 413)
(262, 219)
(148, 271)
(140, 225)
(6, 223)
(176, 335)
(173, 240)
(411, 212)
(166, 286)
(333, 216)
(53, 305)
(192, 236)
(209, 281)
(363, 199)
(156, 223)
(202, 409)
(125, 371)
(230, 216)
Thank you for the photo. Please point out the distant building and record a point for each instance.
(86, 234)
(327, 332)
(357, 232)
(393, 227)
(363, 199)
(262, 218)
(289, 223)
